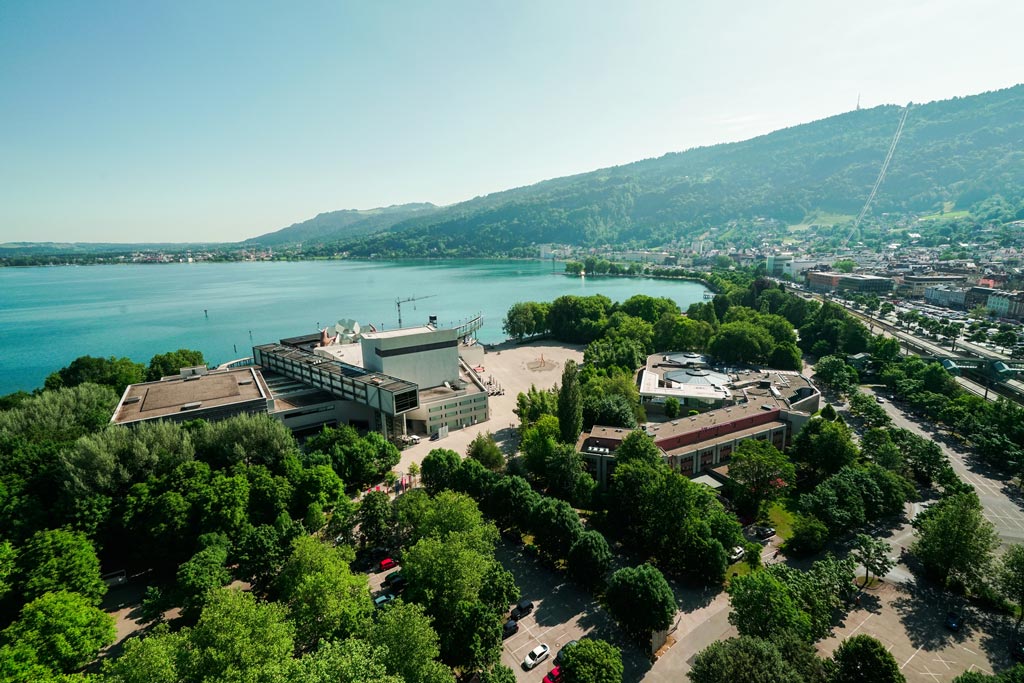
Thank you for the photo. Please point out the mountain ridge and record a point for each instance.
(957, 151)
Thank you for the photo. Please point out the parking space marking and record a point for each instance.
(911, 657)
(935, 676)
(854, 631)
(971, 651)
(975, 667)
(946, 662)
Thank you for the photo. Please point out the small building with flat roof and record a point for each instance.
(193, 394)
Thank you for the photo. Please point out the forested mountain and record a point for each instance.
(344, 224)
(957, 152)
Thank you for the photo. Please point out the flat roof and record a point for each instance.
(685, 425)
(400, 332)
(167, 397)
(346, 353)
(725, 438)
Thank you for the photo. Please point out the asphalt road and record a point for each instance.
(1002, 501)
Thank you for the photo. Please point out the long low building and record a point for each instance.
(399, 382)
(772, 410)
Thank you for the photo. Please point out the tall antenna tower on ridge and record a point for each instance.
(858, 101)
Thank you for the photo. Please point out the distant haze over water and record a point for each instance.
(50, 316)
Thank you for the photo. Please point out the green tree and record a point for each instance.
(157, 658)
(834, 373)
(826, 447)
(1010, 577)
(439, 469)
(238, 638)
(556, 526)
(954, 540)
(375, 518)
(201, 576)
(764, 606)
(570, 404)
(473, 641)
(171, 363)
(672, 407)
(412, 644)
(589, 559)
(746, 658)
(631, 587)
(116, 373)
(592, 660)
(350, 660)
(809, 536)
(786, 356)
(742, 342)
(873, 554)
(484, 449)
(64, 630)
(638, 447)
(326, 601)
(761, 472)
(863, 659)
(56, 560)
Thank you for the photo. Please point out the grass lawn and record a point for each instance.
(740, 568)
(782, 520)
(948, 214)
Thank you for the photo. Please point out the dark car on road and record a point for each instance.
(763, 532)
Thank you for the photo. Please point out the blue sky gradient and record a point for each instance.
(175, 121)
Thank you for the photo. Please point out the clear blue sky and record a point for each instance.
(174, 121)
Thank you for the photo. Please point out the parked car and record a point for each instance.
(435, 436)
(522, 608)
(536, 656)
(737, 554)
(764, 531)
(511, 627)
(391, 577)
(413, 439)
(954, 621)
(558, 657)
(386, 564)
(383, 600)
(879, 399)
(553, 676)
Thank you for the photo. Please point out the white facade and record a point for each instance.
(424, 355)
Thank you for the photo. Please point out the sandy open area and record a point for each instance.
(514, 367)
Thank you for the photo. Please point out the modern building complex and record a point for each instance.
(917, 285)
(399, 382)
(828, 281)
(770, 405)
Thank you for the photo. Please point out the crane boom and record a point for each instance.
(399, 302)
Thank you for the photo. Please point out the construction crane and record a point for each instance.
(399, 302)
(881, 175)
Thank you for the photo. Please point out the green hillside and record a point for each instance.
(952, 153)
(344, 224)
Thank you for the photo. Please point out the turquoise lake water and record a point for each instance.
(50, 316)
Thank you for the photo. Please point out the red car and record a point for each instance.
(554, 676)
(387, 563)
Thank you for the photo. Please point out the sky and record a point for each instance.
(217, 121)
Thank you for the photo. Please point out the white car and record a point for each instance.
(737, 554)
(536, 656)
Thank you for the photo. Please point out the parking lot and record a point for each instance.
(910, 621)
(562, 612)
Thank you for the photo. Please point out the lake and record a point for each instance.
(50, 316)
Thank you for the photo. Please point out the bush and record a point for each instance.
(809, 536)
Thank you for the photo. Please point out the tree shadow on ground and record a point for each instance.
(922, 609)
